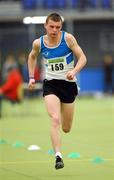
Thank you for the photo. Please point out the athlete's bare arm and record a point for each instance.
(32, 58)
(77, 51)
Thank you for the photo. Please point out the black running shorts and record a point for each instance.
(66, 91)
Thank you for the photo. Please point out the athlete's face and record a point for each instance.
(53, 28)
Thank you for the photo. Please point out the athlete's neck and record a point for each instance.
(53, 41)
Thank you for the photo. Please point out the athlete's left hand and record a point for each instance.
(70, 75)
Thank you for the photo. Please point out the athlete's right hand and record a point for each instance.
(31, 84)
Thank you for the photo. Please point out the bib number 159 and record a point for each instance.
(57, 67)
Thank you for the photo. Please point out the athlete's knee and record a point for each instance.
(66, 129)
(55, 120)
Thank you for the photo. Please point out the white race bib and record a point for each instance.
(57, 64)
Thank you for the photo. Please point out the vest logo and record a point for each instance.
(45, 54)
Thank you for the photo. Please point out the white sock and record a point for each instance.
(58, 154)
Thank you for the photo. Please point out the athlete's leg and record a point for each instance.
(67, 111)
(53, 106)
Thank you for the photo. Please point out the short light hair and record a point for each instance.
(54, 17)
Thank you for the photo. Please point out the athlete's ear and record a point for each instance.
(45, 25)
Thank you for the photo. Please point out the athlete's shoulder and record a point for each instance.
(70, 39)
(69, 36)
(36, 43)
